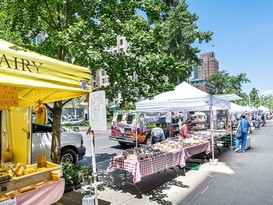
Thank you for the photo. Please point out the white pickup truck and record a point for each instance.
(72, 145)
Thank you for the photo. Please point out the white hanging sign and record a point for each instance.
(97, 110)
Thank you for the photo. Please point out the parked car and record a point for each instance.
(123, 127)
(72, 121)
(72, 144)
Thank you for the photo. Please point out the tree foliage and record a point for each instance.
(161, 52)
(227, 84)
(254, 97)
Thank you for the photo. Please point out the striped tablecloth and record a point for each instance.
(148, 166)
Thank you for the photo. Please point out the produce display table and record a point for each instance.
(197, 149)
(148, 166)
(45, 194)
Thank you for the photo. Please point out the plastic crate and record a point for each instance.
(193, 165)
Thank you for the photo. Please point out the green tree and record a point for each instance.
(268, 101)
(160, 53)
(227, 84)
(254, 98)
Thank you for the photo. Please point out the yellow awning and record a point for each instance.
(39, 77)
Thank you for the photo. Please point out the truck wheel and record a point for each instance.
(69, 156)
(123, 144)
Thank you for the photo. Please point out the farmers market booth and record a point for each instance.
(150, 159)
(29, 79)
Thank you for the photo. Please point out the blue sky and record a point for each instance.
(242, 39)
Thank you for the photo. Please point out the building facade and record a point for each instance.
(203, 85)
(208, 65)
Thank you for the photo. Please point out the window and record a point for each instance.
(121, 49)
(121, 42)
(119, 118)
(130, 119)
(102, 72)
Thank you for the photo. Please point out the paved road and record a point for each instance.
(104, 148)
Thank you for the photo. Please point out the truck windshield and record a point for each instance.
(119, 118)
(129, 119)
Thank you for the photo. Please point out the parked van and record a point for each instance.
(124, 123)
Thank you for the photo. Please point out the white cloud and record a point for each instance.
(267, 92)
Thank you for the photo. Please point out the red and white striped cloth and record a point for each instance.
(155, 164)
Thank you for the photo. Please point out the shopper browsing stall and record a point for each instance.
(245, 126)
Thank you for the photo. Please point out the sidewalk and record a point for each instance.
(238, 178)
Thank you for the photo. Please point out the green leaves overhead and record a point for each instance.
(160, 55)
(227, 84)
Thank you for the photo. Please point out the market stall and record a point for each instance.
(27, 79)
(164, 155)
(185, 98)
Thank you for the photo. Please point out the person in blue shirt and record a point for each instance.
(245, 126)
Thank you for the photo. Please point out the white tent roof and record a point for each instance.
(237, 108)
(264, 109)
(229, 97)
(184, 97)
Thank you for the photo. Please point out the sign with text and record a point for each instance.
(97, 110)
(8, 95)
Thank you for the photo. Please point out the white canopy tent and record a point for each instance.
(264, 109)
(237, 108)
(185, 97)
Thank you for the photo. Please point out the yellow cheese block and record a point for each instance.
(28, 171)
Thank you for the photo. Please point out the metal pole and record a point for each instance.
(211, 129)
(136, 129)
(95, 175)
(230, 119)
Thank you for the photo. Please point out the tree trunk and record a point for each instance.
(56, 133)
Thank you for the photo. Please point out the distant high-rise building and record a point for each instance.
(208, 65)
(195, 73)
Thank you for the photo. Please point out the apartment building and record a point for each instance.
(208, 65)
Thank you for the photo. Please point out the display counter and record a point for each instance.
(27, 183)
(45, 194)
(148, 166)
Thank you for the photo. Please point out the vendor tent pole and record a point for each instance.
(95, 174)
(230, 121)
(136, 129)
(212, 133)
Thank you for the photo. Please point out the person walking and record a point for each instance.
(245, 126)
(157, 134)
